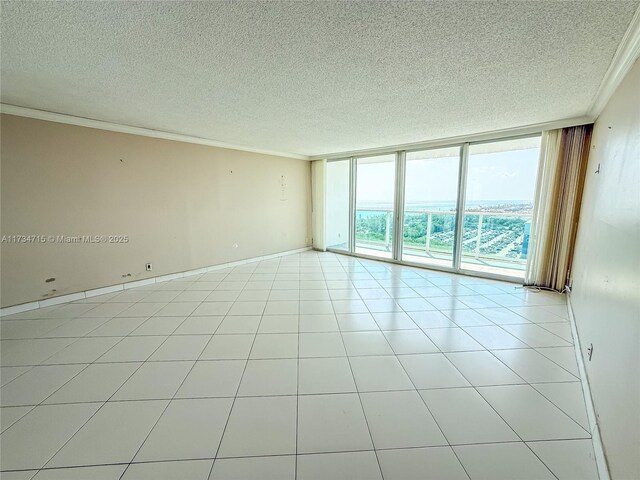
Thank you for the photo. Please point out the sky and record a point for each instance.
(509, 175)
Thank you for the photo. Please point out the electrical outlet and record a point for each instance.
(148, 267)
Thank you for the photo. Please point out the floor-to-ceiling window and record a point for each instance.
(430, 201)
(337, 209)
(464, 208)
(501, 179)
(375, 194)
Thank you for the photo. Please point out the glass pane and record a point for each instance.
(375, 190)
(431, 194)
(337, 205)
(501, 179)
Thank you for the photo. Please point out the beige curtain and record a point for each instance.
(563, 162)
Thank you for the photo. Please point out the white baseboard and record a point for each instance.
(23, 307)
(598, 447)
(72, 297)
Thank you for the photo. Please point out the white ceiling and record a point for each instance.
(311, 77)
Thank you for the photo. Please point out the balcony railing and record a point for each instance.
(487, 236)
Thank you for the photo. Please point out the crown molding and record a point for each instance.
(626, 55)
(145, 132)
(458, 140)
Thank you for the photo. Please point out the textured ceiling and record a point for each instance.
(311, 77)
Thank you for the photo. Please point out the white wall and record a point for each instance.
(337, 203)
(606, 276)
(182, 206)
(318, 179)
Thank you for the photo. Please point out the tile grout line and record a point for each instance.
(532, 385)
(492, 407)
(502, 418)
(288, 395)
(233, 402)
(359, 397)
(42, 402)
(103, 404)
(154, 280)
(295, 465)
(423, 401)
(286, 455)
(394, 299)
(174, 394)
(108, 319)
(522, 441)
(93, 415)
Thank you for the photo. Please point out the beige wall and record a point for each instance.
(183, 206)
(606, 276)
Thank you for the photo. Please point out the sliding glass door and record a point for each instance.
(430, 203)
(501, 180)
(375, 198)
(464, 208)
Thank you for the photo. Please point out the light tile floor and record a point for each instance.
(310, 366)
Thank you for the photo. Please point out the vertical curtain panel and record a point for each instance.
(564, 156)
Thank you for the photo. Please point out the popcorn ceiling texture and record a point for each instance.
(311, 77)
